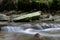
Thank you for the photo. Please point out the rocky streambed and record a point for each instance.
(47, 30)
(26, 31)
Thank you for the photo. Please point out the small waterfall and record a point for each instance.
(26, 26)
(12, 29)
(47, 31)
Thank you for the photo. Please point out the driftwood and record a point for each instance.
(30, 15)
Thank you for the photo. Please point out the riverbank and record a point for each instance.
(2, 24)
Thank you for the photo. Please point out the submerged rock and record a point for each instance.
(37, 37)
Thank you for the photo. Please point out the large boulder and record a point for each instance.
(3, 17)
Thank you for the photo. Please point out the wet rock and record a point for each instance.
(3, 17)
(37, 37)
(37, 26)
(25, 26)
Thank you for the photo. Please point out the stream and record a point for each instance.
(46, 31)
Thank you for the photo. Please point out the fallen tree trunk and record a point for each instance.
(30, 15)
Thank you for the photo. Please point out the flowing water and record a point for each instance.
(47, 31)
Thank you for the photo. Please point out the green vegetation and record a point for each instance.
(29, 5)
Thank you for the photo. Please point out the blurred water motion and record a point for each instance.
(26, 31)
(29, 27)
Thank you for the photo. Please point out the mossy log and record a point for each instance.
(28, 16)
